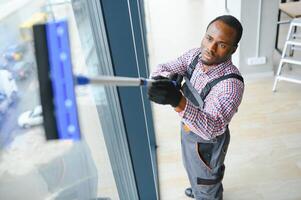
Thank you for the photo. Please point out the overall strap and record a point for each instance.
(210, 85)
(189, 91)
(192, 94)
(192, 66)
(198, 99)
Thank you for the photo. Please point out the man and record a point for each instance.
(207, 101)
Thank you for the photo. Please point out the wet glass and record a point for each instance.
(31, 167)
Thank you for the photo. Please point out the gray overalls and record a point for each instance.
(203, 159)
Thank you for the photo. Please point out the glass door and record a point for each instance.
(97, 167)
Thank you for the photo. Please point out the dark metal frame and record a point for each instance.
(125, 30)
(277, 31)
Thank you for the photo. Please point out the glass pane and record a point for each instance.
(30, 167)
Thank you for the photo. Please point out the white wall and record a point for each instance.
(175, 26)
(247, 12)
(249, 16)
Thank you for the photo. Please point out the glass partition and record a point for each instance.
(31, 167)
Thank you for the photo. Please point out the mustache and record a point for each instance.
(210, 53)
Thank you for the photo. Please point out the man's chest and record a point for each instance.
(200, 79)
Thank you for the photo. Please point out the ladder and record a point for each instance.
(291, 44)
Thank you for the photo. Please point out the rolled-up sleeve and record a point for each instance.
(177, 66)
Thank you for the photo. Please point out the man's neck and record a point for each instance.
(206, 68)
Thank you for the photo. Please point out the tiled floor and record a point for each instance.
(264, 156)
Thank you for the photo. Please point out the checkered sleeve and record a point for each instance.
(219, 109)
(178, 66)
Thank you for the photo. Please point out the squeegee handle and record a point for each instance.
(113, 80)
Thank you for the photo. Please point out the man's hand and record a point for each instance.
(164, 91)
(177, 78)
(160, 78)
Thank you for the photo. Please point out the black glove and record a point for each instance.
(164, 92)
(159, 78)
(177, 78)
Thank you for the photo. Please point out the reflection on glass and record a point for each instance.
(30, 167)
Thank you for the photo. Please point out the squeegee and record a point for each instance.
(57, 81)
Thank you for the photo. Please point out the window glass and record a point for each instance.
(31, 167)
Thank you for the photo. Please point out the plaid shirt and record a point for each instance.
(221, 103)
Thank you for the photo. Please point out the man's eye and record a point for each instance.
(222, 45)
(209, 38)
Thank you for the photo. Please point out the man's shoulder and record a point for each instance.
(232, 69)
(193, 52)
(232, 81)
(188, 56)
(232, 85)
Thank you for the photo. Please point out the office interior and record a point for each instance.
(130, 147)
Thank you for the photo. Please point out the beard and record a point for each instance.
(213, 60)
(209, 61)
(205, 62)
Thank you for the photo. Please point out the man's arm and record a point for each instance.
(166, 90)
(181, 106)
(177, 66)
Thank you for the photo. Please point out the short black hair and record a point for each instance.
(232, 22)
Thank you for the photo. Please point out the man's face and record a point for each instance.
(218, 43)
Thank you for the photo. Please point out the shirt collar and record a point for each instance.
(216, 70)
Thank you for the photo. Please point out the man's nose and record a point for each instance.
(212, 47)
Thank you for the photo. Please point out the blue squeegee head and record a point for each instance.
(62, 80)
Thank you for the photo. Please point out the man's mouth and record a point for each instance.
(207, 55)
